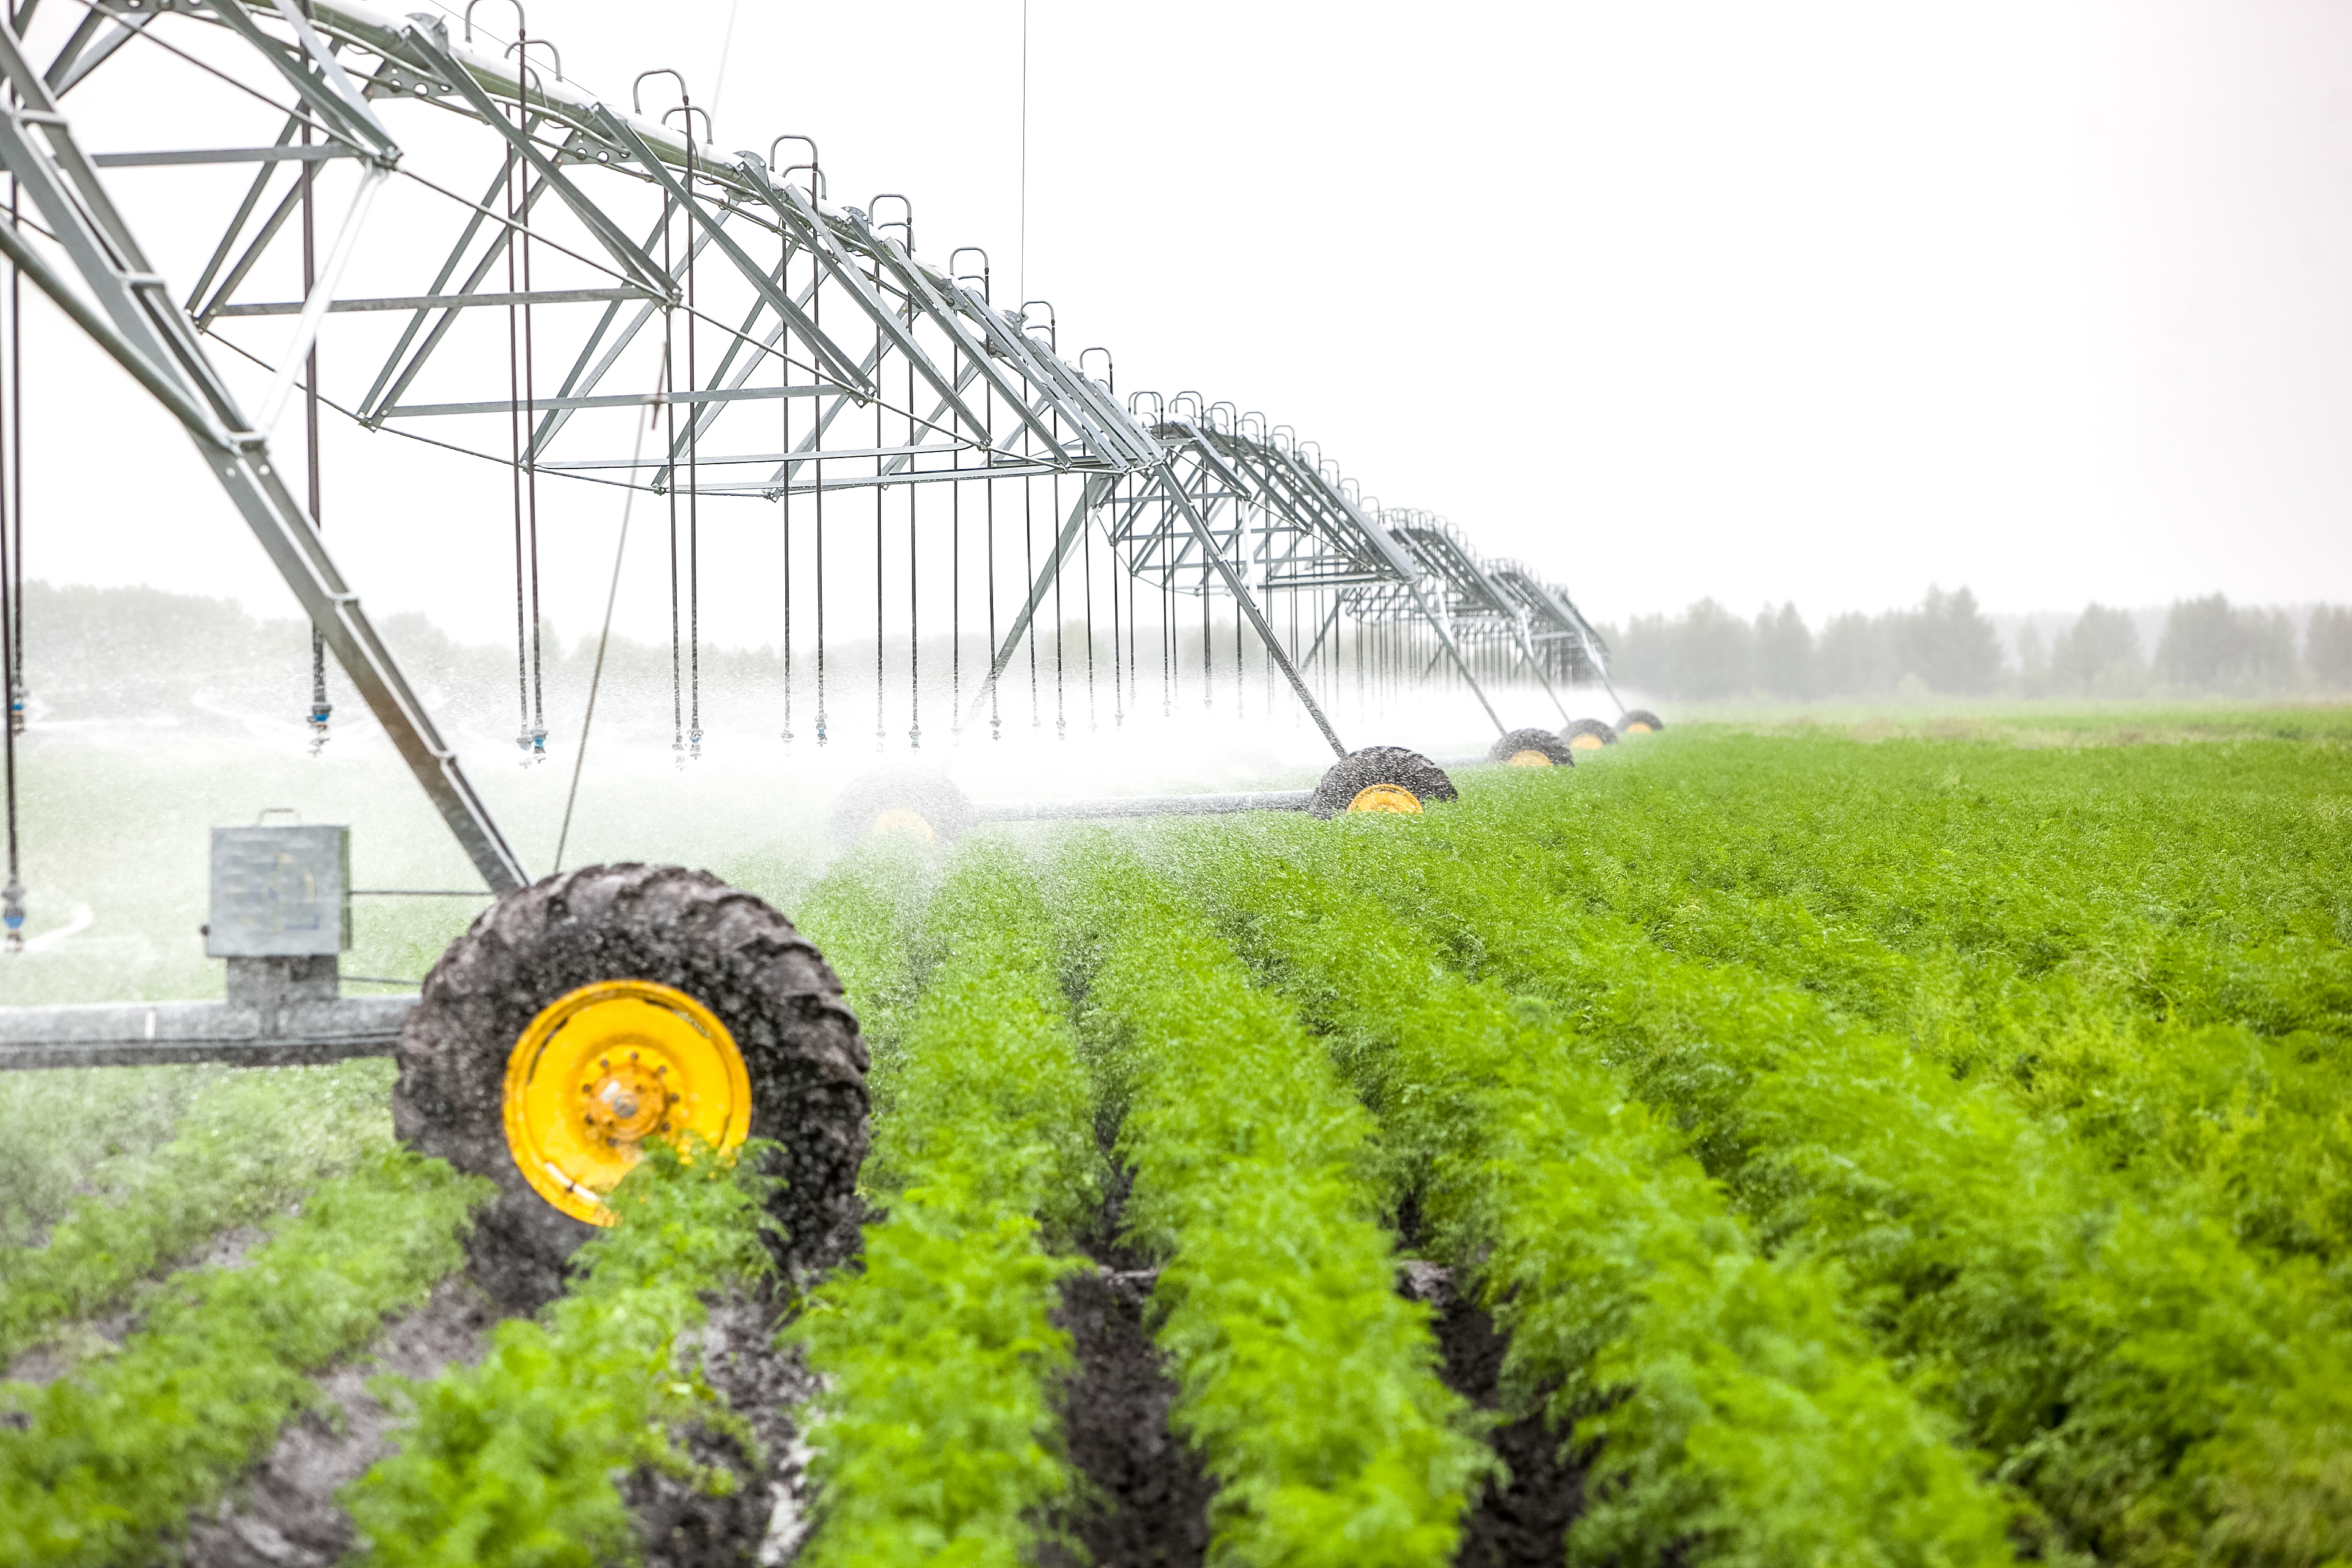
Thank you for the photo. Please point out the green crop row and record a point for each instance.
(245, 1145)
(937, 1434)
(101, 1466)
(81, 1130)
(2162, 1393)
(864, 915)
(516, 1460)
(1739, 1417)
(2148, 947)
(1306, 1382)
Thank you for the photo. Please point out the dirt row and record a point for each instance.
(1144, 1497)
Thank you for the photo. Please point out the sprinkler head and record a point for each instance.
(12, 914)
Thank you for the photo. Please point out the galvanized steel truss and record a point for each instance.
(564, 269)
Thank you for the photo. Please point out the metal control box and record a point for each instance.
(280, 892)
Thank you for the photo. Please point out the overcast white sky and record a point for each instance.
(1764, 301)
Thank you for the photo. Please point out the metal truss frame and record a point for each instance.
(136, 324)
(837, 360)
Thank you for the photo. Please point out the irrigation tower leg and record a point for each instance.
(1242, 596)
(1090, 495)
(1528, 652)
(1445, 640)
(1329, 622)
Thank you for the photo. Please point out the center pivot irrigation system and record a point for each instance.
(582, 293)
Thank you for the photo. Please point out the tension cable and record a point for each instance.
(612, 597)
(12, 596)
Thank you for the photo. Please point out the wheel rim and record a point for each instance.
(1385, 798)
(1586, 742)
(1529, 758)
(602, 1069)
(1635, 728)
(904, 819)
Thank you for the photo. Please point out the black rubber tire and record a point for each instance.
(720, 945)
(1358, 771)
(1592, 727)
(1550, 745)
(946, 808)
(1634, 716)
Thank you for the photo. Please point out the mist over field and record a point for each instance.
(157, 716)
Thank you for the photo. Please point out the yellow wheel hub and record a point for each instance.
(1635, 728)
(1530, 758)
(603, 1070)
(1587, 743)
(903, 819)
(1385, 798)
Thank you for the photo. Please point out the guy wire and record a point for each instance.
(603, 637)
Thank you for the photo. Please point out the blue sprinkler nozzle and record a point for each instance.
(12, 914)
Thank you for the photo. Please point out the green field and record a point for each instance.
(1870, 1136)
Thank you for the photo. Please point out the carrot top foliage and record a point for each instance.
(1306, 1382)
(2163, 1386)
(515, 1461)
(937, 1434)
(1740, 1415)
(104, 1465)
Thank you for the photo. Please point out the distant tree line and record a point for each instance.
(1945, 644)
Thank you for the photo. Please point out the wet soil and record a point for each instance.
(764, 1517)
(284, 1513)
(1146, 1502)
(1522, 1523)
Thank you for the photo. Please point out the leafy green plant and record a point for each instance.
(243, 1146)
(2120, 1354)
(107, 1462)
(937, 1438)
(82, 1130)
(1739, 1416)
(1306, 1382)
(864, 915)
(515, 1460)
(2146, 945)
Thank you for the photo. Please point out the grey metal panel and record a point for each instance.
(280, 892)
